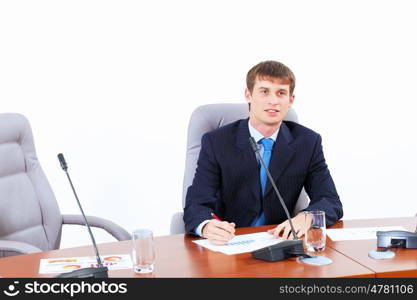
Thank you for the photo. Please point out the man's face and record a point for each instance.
(269, 101)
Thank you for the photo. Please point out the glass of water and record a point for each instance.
(143, 252)
(315, 237)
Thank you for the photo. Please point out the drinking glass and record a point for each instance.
(315, 237)
(143, 252)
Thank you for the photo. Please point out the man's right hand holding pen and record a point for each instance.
(218, 232)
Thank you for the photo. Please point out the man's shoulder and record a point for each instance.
(300, 131)
(227, 130)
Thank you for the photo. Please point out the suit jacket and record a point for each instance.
(226, 181)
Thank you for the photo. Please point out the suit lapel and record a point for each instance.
(249, 164)
(281, 155)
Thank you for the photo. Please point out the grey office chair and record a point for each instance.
(30, 220)
(204, 119)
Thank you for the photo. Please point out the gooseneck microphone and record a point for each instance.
(283, 249)
(101, 271)
(256, 150)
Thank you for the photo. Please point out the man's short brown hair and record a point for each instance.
(269, 70)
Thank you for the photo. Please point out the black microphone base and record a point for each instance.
(100, 272)
(280, 251)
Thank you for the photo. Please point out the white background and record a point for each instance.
(112, 84)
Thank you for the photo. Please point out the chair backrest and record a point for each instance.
(206, 118)
(29, 212)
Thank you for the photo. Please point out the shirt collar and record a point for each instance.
(258, 136)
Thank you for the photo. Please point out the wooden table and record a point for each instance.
(404, 264)
(178, 256)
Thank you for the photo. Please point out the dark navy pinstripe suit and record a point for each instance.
(227, 177)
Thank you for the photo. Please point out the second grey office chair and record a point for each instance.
(30, 220)
(206, 118)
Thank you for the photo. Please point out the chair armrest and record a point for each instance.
(112, 228)
(20, 247)
(177, 223)
(302, 203)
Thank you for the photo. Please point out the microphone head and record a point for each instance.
(62, 161)
(253, 144)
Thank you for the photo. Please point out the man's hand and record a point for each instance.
(219, 232)
(301, 224)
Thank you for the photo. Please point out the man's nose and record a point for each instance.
(273, 100)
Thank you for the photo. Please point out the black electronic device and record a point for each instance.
(396, 239)
(283, 249)
(280, 251)
(98, 272)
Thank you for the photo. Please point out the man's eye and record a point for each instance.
(264, 92)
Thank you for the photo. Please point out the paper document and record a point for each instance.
(64, 265)
(363, 233)
(242, 243)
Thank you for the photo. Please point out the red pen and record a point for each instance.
(215, 217)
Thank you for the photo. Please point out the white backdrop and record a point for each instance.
(112, 84)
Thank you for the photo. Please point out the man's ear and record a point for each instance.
(248, 95)
(292, 97)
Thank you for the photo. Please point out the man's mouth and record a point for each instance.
(271, 110)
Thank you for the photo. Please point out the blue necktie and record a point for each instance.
(263, 177)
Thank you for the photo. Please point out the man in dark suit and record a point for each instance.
(232, 184)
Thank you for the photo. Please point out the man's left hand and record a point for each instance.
(301, 224)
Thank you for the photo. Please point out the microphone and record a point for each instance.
(100, 271)
(62, 162)
(284, 249)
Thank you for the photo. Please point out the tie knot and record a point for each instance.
(267, 143)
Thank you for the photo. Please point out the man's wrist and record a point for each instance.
(199, 229)
(302, 213)
(202, 230)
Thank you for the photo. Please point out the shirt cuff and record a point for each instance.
(199, 228)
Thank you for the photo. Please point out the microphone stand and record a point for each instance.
(100, 271)
(284, 249)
